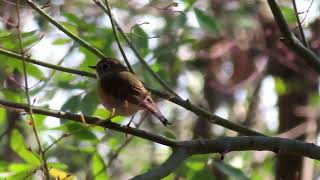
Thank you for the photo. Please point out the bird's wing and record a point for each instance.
(124, 86)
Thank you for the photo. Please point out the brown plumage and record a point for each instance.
(122, 91)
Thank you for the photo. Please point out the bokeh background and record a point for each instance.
(224, 56)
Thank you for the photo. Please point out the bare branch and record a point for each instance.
(184, 149)
(291, 41)
(225, 145)
(90, 120)
(116, 37)
(66, 31)
(304, 41)
(136, 52)
(30, 111)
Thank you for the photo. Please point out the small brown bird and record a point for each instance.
(121, 92)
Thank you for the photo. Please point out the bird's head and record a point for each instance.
(107, 66)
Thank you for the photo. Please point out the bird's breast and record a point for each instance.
(122, 107)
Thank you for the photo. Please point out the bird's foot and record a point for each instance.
(165, 122)
(128, 125)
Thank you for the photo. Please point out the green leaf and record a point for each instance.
(11, 41)
(115, 141)
(99, 171)
(180, 21)
(73, 18)
(17, 144)
(61, 41)
(32, 70)
(3, 166)
(140, 40)
(80, 131)
(80, 23)
(71, 27)
(25, 175)
(15, 167)
(203, 174)
(196, 166)
(229, 170)
(189, 4)
(89, 103)
(280, 86)
(169, 134)
(12, 95)
(206, 22)
(72, 104)
(289, 14)
(57, 165)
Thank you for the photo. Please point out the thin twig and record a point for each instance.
(56, 141)
(116, 153)
(82, 42)
(117, 38)
(136, 52)
(123, 145)
(307, 11)
(7, 22)
(48, 65)
(145, 37)
(42, 153)
(291, 41)
(304, 41)
(47, 80)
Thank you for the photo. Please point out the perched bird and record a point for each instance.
(121, 92)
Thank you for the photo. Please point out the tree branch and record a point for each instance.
(116, 37)
(304, 41)
(224, 145)
(42, 153)
(176, 99)
(82, 42)
(161, 171)
(291, 41)
(184, 149)
(136, 52)
(183, 103)
(48, 65)
(90, 120)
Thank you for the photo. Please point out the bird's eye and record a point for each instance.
(106, 66)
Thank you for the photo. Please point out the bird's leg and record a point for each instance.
(128, 125)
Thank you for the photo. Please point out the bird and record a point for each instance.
(121, 92)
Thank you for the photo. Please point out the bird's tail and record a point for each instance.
(152, 107)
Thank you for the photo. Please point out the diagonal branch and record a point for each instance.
(304, 41)
(26, 88)
(136, 52)
(291, 41)
(82, 42)
(117, 39)
(48, 65)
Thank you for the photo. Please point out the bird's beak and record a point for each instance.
(92, 67)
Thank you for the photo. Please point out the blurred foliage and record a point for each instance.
(187, 46)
